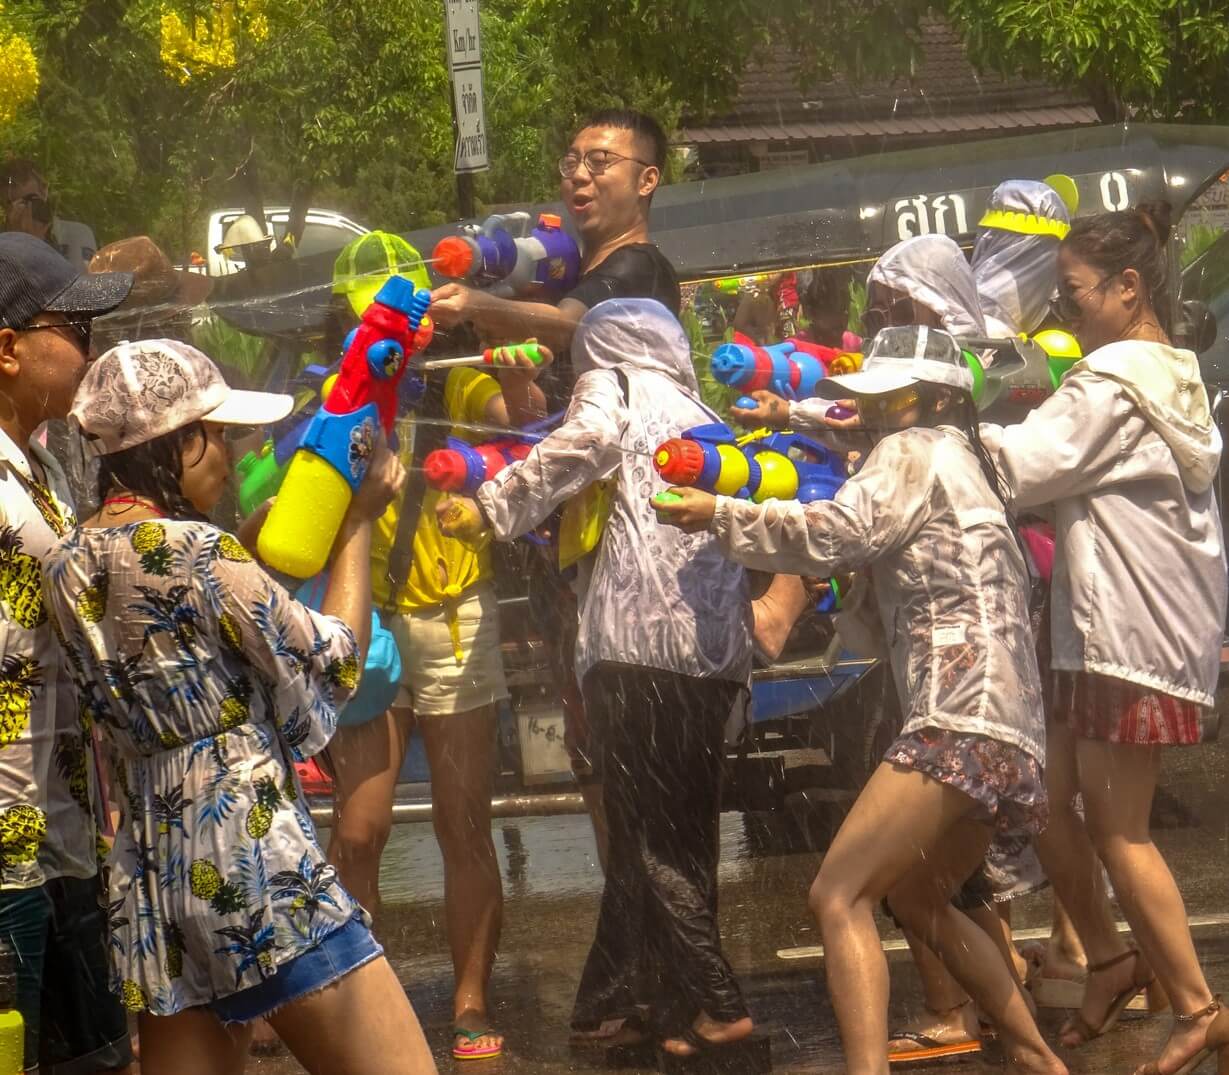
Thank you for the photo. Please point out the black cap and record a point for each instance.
(35, 277)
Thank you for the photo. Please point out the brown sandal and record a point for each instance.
(1216, 1041)
(1080, 1026)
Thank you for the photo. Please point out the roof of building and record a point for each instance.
(944, 93)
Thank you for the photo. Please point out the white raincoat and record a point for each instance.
(1016, 272)
(651, 595)
(1127, 452)
(950, 591)
(931, 270)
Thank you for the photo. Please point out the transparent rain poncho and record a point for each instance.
(1015, 256)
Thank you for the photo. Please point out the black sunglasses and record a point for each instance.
(1064, 306)
(897, 312)
(80, 332)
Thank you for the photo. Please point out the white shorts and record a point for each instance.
(434, 682)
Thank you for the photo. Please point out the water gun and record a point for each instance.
(505, 257)
(260, 474)
(1025, 370)
(732, 285)
(756, 466)
(460, 467)
(790, 369)
(487, 358)
(331, 460)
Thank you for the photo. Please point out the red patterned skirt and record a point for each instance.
(1115, 711)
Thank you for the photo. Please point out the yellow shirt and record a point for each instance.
(443, 567)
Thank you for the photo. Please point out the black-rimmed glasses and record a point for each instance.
(596, 161)
(80, 332)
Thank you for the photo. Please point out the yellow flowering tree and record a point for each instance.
(200, 42)
(18, 72)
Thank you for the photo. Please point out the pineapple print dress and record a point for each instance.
(209, 681)
(46, 761)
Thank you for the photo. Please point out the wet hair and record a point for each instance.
(1129, 239)
(153, 470)
(961, 412)
(642, 125)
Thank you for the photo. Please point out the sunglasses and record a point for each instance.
(1065, 307)
(596, 161)
(897, 312)
(80, 332)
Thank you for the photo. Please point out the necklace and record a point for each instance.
(133, 502)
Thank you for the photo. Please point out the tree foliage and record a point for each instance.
(150, 113)
(1151, 59)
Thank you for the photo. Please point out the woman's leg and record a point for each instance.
(362, 1023)
(1117, 782)
(1071, 863)
(948, 1017)
(192, 1042)
(461, 753)
(365, 760)
(901, 821)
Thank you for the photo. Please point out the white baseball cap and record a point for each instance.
(900, 357)
(139, 391)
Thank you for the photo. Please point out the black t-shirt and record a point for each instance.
(635, 271)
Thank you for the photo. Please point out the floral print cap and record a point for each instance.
(139, 391)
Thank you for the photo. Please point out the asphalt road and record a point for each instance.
(552, 883)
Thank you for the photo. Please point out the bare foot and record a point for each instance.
(952, 1027)
(711, 1031)
(1034, 1064)
(1185, 1041)
(1100, 990)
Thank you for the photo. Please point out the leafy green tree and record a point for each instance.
(1153, 59)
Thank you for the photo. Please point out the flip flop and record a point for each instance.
(472, 1051)
(930, 1051)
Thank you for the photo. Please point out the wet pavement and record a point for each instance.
(552, 883)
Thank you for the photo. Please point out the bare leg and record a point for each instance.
(357, 1025)
(1065, 956)
(365, 760)
(1071, 863)
(777, 611)
(949, 1017)
(192, 1042)
(906, 835)
(461, 752)
(1118, 782)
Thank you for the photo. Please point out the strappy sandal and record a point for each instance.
(1216, 1040)
(1080, 1026)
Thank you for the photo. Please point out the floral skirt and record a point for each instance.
(1115, 711)
(1006, 782)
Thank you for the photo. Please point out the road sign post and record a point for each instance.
(464, 48)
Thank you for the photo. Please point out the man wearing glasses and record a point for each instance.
(49, 915)
(608, 176)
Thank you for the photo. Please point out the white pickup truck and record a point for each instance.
(324, 230)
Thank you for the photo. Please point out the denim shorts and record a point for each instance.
(341, 952)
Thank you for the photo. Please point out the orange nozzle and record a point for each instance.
(679, 461)
(549, 220)
(453, 256)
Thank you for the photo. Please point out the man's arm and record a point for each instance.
(506, 319)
